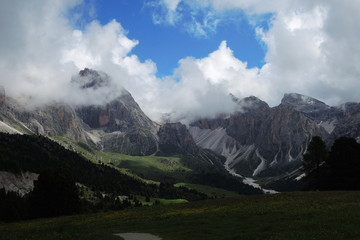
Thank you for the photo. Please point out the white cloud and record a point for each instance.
(41, 50)
(172, 4)
(311, 45)
(312, 48)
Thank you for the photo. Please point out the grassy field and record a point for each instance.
(210, 191)
(310, 215)
(150, 169)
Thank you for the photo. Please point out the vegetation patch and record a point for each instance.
(210, 191)
(302, 215)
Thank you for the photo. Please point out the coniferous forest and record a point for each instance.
(55, 192)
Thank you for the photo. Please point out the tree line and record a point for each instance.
(334, 169)
(55, 192)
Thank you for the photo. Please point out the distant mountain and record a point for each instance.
(343, 120)
(261, 141)
(121, 124)
(255, 141)
(51, 119)
(118, 125)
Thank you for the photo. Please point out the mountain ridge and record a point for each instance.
(256, 140)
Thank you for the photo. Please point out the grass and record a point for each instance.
(154, 168)
(210, 191)
(162, 201)
(309, 215)
(149, 169)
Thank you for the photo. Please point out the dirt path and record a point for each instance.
(138, 236)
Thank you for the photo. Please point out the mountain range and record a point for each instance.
(254, 142)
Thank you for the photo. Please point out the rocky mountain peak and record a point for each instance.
(89, 78)
(350, 108)
(249, 103)
(252, 102)
(176, 137)
(303, 103)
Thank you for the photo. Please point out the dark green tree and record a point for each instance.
(344, 164)
(54, 194)
(315, 155)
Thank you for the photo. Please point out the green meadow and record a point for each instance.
(300, 215)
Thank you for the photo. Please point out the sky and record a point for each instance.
(181, 58)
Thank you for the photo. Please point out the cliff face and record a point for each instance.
(55, 120)
(121, 114)
(349, 126)
(260, 141)
(256, 140)
(176, 137)
(343, 120)
(126, 127)
(21, 183)
(50, 120)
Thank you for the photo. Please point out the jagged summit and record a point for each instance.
(303, 103)
(249, 103)
(252, 103)
(89, 78)
(256, 140)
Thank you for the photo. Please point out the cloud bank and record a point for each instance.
(312, 48)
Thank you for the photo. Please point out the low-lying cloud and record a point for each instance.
(311, 49)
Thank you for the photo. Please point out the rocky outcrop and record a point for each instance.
(136, 142)
(121, 114)
(127, 129)
(21, 183)
(349, 126)
(175, 137)
(56, 119)
(313, 108)
(338, 121)
(88, 78)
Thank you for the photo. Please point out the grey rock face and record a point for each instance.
(312, 108)
(349, 126)
(176, 137)
(339, 121)
(57, 120)
(49, 120)
(89, 78)
(121, 114)
(128, 130)
(261, 141)
(21, 183)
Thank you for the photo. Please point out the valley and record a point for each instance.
(120, 158)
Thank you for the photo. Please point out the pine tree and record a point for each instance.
(314, 157)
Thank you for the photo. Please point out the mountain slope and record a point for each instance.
(255, 141)
(126, 128)
(261, 141)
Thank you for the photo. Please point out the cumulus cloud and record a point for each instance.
(311, 45)
(41, 50)
(312, 48)
(204, 86)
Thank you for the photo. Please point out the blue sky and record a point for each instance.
(200, 51)
(166, 44)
